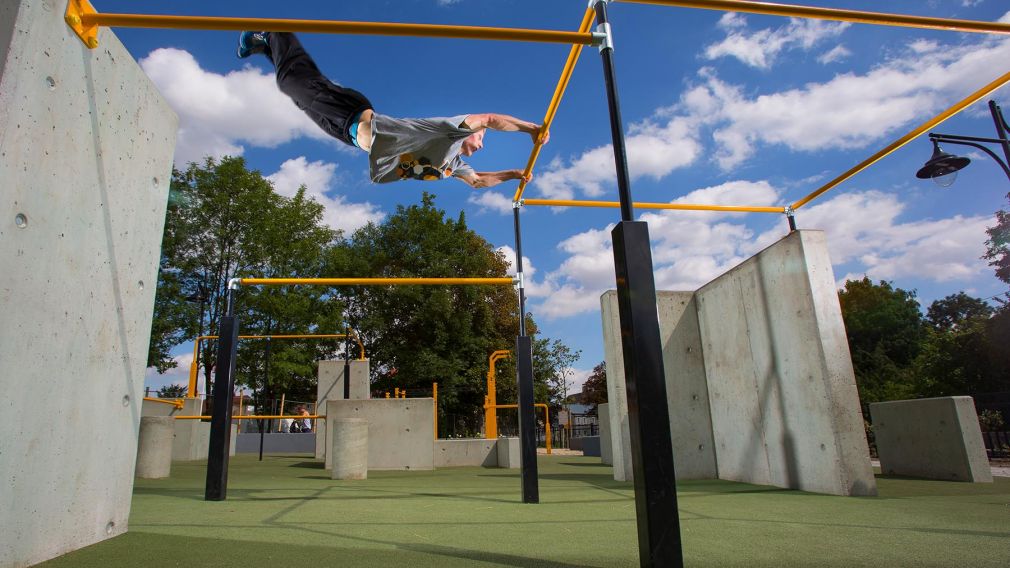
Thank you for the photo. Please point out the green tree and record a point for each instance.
(552, 362)
(172, 391)
(955, 311)
(885, 330)
(594, 392)
(998, 245)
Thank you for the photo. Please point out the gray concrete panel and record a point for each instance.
(784, 405)
(508, 453)
(154, 449)
(467, 452)
(617, 396)
(606, 445)
(935, 438)
(330, 386)
(86, 164)
(400, 431)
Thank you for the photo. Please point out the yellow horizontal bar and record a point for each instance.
(924, 127)
(374, 281)
(332, 27)
(174, 402)
(840, 15)
(674, 206)
(552, 108)
(254, 417)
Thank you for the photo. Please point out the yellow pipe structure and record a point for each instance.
(552, 108)
(547, 420)
(255, 417)
(193, 367)
(836, 14)
(490, 399)
(375, 281)
(924, 127)
(85, 21)
(173, 401)
(674, 206)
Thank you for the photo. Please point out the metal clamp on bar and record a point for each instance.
(518, 281)
(519, 203)
(234, 283)
(602, 38)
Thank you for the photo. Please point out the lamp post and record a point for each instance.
(942, 167)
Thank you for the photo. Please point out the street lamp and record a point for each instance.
(942, 167)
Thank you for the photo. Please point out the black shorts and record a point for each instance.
(329, 105)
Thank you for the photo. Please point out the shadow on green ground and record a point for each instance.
(276, 515)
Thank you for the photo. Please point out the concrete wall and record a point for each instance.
(783, 395)
(468, 452)
(400, 430)
(686, 388)
(151, 408)
(935, 438)
(330, 386)
(758, 369)
(606, 445)
(508, 453)
(87, 153)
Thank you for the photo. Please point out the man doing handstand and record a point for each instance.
(398, 148)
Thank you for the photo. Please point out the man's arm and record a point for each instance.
(505, 123)
(481, 180)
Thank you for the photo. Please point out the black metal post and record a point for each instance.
(997, 117)
(527, 421)
(792, 222)
(659, 541)
(524, 377)
(220, 423)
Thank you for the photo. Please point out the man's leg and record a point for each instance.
(330, 106)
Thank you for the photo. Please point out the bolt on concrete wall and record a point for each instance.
(86, 163)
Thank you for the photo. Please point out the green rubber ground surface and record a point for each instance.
(286, 512)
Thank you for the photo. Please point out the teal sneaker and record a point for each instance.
(252, 42)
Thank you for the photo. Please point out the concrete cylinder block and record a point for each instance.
(350, 448)
(154, 447)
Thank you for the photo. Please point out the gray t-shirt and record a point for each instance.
(417, 148)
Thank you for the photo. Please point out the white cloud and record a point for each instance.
(1005, 18)
(318, 177)
(760, 48)
(177, 376)
(491, 201)
(837, 53)
(219, 113)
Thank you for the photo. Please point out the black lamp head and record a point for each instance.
(942, 165)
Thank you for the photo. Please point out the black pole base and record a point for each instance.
(527, 420)
(659, 541)
(220, 422)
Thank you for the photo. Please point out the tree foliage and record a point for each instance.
(172, 391)
(594, 392)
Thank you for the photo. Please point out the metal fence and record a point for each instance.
(997, 444)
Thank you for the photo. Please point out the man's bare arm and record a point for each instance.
(505, 123)
(481, 180)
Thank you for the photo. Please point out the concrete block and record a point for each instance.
(400, 431)
(154, 449)
(934, 438)
(783, 399)
(87, 145)
(349, 449)
(151, 408)
(508, 453)
(330, 386)
(617, 396)
(606, 445)
(472, 452)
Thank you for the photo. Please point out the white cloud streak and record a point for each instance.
(761, 48)
(318, 177)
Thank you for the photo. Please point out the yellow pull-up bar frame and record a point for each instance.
(674, 206)
(85, 21)
(836, 14)
(374, 281)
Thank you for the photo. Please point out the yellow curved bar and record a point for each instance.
(673, 206)
(547, 419)
(87, 20)
(173, 401)
(924, 127)
(836, 14)
(552, 108)
(375, 281)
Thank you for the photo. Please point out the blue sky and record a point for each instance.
(719, 108)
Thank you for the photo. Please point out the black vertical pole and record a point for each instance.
(220, 423)
(792, 220)
(997, 117)
(524, 376)
(659, 542)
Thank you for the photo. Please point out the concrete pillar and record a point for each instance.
(606, 444)
(508, 453)
(154, 450)
(330, 386)
(349, 448)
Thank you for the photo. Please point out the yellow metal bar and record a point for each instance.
(490, 399)
(552, 108)
(174, 401)
(194, 369)
(374, 281)
(279, 423)
(547, 419)
(87, 19)
(434, 401)
(255, 417)
(673, 206)
(924, 127)
(836, 14)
